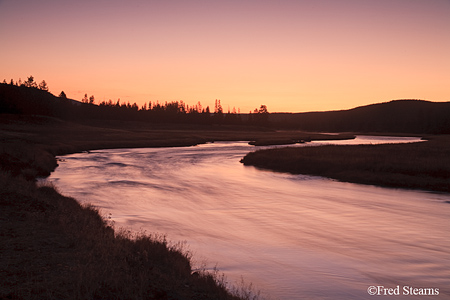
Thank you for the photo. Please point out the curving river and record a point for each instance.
(292, 236)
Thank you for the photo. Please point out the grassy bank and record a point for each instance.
(53, 248)
(424, 165)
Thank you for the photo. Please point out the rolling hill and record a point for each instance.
(403, 116)
(399, 116)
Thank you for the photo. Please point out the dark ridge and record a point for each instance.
(407, 116)
(33, 101)
(398, 116)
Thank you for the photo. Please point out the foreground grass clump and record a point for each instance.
(424, 165)
(53, 248)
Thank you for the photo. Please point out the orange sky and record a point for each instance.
(290, 55)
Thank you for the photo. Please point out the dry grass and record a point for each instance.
(424, 165)
(54, 248)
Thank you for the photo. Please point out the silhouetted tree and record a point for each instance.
(218, 107)
(263, 110)
(259, 116)
(91, 99)
(30, 82)
(62, 95)
(85, 99)
(218, 112)
(43, 86)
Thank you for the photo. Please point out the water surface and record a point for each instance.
(292, 236)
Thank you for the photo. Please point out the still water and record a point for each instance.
(292, 236)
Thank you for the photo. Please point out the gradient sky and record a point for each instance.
(289, 55)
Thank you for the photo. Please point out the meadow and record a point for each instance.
(423, 165)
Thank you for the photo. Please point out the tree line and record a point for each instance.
(29, 83)
(32, 98)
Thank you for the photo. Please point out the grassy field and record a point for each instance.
(53, 248)
(423, 165)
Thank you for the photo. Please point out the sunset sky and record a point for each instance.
(291, 55)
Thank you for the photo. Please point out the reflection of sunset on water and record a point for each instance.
(293, 236)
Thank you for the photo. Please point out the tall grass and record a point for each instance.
(54, 248)
(424, 165)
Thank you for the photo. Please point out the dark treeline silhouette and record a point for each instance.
(30, 98)
(168, 112)
(29, 83)
(399, 116)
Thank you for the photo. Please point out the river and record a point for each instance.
(291, 236)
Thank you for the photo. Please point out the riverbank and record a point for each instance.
(30, 143)
(424, 165)
(54, 248)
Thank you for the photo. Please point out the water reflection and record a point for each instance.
(293, 236)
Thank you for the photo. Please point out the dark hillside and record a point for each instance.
(33, 101)
(28, 100)
(398, 116)
(406, 116)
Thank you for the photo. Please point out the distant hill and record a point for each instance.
(26, 100)
(405, 116)
(400, 116)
